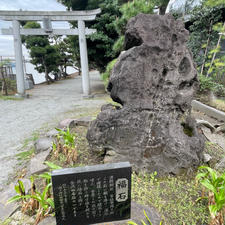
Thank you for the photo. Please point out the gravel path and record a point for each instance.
(47, 103)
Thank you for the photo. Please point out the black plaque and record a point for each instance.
(92, 194)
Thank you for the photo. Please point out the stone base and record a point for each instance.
(137, 214)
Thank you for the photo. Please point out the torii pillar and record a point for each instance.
(20, 81)
(47, 17)
(84, 58)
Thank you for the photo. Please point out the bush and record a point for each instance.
(203, 19)
(11, 85)
(219, 90)
(105, 76)
(119, 45)
(206, 84)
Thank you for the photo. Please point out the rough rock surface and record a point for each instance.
(52, 133)
(48, 221)
(65, 123)
(220, 165)
(154, 81)
(83, 121)
(42, 144)
(20, 218)
(37, 165)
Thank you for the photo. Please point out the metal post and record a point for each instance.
(19, 58)
(84, 58)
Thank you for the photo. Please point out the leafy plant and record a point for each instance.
(68, 147)
(47, 175)
(67, 136)
(215, 184)
(37, 202)
(206, 83)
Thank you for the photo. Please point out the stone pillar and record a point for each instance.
(19, 58)
(84, 58)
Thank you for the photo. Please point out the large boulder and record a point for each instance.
(154, 81)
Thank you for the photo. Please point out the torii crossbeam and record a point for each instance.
(47, 17)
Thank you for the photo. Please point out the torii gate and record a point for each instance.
(47, 17)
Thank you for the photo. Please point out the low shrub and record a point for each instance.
(207, 84)
(105, 76)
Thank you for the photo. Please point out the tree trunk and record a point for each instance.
(79, 70)
(4, 84)
(65, 70)
(162, 9)
(47, 77)
(206, 49)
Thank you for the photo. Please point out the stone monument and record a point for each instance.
(92, 194)
(154, 81)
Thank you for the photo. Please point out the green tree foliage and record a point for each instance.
(203, 18)
(131, 9)
(74, 4)
(63, 47)
(99, 44)
(44, 56)
(204, 43)
(110, 25)
(75, 50)
(213, 3)
(6, 85)
(105, 76)
(128, 10)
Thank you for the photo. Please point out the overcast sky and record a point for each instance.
(6, 42)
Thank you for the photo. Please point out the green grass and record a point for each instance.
(110, 101)
(2, 97)
(174, 198)
(25, 155)
(6, 222)
(34, 137)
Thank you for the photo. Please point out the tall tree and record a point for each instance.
(74, 4)
(99, 44)
(44, 56)
(201, 31)
(128, 10)
(63, 47)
